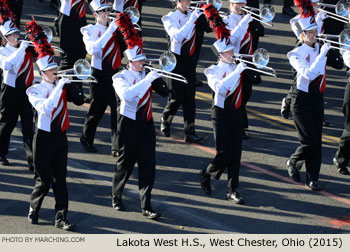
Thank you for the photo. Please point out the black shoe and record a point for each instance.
(313, 185)
(115, 153)
(4, 161)
(341, 169)
(245, 136)
(150, 214)
(164, 128)
(199, 83)
(117, 204)
(285, 109)
(326, 123)
(88, 147)
(31, 167)
(33, 217)
(193, 138)
(205, 183)
(63, 224)
(289, 11)
(235, 197)
(293, 172)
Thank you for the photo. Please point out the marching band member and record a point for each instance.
(309, 61)
(342, 156)
(323, 23)
(105, 43)
(182, 28)
(50, 146)
(136, 133)
(244, 37)
(16, 61)
(71, 18)
(225, 80)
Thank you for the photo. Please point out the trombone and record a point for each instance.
(133, 14)
(48, 32)
(167, 62)
(341, 9)
(265, 16)
(343, 39)
(216, 3)
(81, 70)
(260, 59)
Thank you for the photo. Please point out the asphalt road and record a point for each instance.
(274, 203)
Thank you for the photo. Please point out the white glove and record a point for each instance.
(246, 19)
(195, 14)
(241, 66)
(63, 81)
(151, 76)
(321, 16)
(112, 27)
(325, 48)
(24, 44)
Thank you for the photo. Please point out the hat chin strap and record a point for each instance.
(8, 41)
(47, 78)
(224, 59)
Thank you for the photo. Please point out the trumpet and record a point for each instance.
(81, 70)
(167, 62)
(265, 16)
(260, 59)
(216, 3)
(343, 39)
(48, 32)
(341, 10)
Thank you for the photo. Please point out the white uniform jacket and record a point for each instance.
(95, 38)
(11, 59)
(131, 88)
(68, 5)
(48, 100)
(320, 16)
(223, 79)
(180, 28)
(238, 30)
(118, 5)
(308, 63)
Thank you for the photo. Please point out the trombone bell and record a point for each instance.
(133, 13)
(261, 58)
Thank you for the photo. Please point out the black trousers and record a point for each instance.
(343, 152)
(71, 40)
(247, 89)
(102, 94)
(13, 103)
(183, 94)
(137, 143)
(16, 8)
(308, 118)
(50, 152)
(228, 129)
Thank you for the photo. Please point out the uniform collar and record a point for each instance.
(101, 26)
(47, 84)
(226, 66)
(181, 15)
(11, 48)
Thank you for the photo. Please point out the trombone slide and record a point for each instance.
(166, 74)
(258, 70)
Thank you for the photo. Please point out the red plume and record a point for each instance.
(216, 22)
(305, 8)
(127, 28)
(5, 12)
(36, 34)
